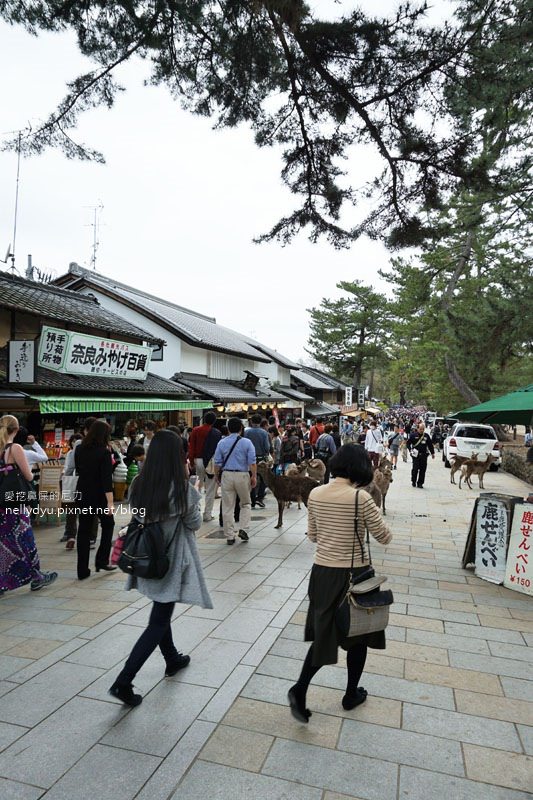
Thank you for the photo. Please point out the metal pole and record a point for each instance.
(16, 204)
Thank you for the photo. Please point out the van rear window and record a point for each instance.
(472, 432)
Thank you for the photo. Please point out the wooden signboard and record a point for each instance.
(492, 528)
(519, 568)
(49, 487)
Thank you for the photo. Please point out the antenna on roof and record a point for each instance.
(15, 215)
(95, 225)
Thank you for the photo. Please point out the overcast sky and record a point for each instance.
(181, 202)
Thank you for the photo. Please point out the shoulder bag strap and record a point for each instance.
(233, 446)
(356, 534)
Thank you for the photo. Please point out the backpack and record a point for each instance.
(15, 489)
(144, 554)
(290, 448)
(322, 447)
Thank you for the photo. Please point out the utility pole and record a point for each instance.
(13, 251)
(95, 225)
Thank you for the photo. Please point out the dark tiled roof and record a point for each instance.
(53, 302)
(321, 410)
(335, 383)
(295, 395)
(273, 354)
(311, 381)
(195, 328)
(222, 390)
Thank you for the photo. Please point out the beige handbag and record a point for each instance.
(365, 607)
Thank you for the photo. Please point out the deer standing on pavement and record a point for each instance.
(478, 468)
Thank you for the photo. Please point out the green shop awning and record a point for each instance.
(515, 408)
(95, 405)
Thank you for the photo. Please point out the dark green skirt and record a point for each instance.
(327, 587)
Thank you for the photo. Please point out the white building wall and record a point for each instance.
(229, 367)
(274, 373)
(172, 350)
(194, 359)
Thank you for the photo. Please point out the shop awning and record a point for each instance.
(321, 410)
(94, 405)
(515, 408)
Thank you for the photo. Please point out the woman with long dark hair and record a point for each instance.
(162, 493)
(94, 466)
(332, 515)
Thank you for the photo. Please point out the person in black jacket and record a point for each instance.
(94, 467)
(420, 446)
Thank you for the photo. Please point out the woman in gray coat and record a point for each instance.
(162, 493)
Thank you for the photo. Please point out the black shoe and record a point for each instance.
(298, 710)
(85, 575)
(230, 541)
(413, 485)
(244, 536)
(252, 506)
(349, 702)
(179, 662)
(124, 692)
(260, 504)
(419, 486)
(64, 538)
(106, 568)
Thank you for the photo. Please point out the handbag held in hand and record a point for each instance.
(365, 607)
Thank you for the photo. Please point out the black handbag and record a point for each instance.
(365, 607)
(144, 554)
(15, 490)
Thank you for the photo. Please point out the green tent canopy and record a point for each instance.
(515, 408)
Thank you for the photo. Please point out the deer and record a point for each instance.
(479, 468)
(285, 488)
(458, 462)
(314, 468)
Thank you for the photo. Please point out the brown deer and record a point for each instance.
(314, 468)
(478, 468)
(383, 479)
(286, 488)
(458, 462)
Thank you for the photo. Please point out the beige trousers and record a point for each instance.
(235, 484)
(210, 487)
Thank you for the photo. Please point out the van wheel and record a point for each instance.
(494, 468)
(447, 464)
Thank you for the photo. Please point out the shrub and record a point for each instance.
(516, 464)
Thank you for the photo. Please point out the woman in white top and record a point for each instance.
(374, 444)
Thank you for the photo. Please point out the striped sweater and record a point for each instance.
(331, 523)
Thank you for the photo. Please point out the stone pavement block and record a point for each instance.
(47, 630)
(331, 769)
(417, 652)
(87, 619)
(500, 768)
(443, 614)
(7, 642)
(491, 707)
(214, 781)
(278, 550)
(108, 773)
(455, 678)
(447, 641)
(261, 565)
(276, 720)
(35, 667)
(517, 688)
(32, 614)
(419, 784)
(285, 613)
(480, 632)
(211, 662)
(420, 623)
(258, 650)
(268, 598)
(32, 648)
(293, 632)
(9, 734)
(425, 602)
(107, 624)
(497, 666)
(11, 790)
(224, 603)
(243, 625)
(225, 696)
(234, 747)
(438, 594)
(166, 778)
(221, 570)
(34, 700)
(280, 667)
(290, 648)
(241, 583)
(286, 577)
(521, 613)
(166, 713)
(108, 649)
(511, 624)
(401, 747)
(515, 652)
(479, 608)
(337, 796)
(526, 735)
(461, 727)
(45, 753)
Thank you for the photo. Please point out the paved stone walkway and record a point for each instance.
(450, 707)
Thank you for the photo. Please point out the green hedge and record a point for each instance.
(515, 463)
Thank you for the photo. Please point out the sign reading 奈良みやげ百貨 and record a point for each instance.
(81, 354)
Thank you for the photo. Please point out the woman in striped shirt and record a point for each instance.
(332, 510)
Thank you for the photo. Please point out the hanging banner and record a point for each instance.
(492, 523)
(519, 568)
(80, 354)
(21, 359)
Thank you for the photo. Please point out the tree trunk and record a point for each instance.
(460, 384)
(402, 395)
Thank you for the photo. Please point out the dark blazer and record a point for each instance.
(95, 470)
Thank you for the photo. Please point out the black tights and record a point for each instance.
(158, 632)
(355, 661)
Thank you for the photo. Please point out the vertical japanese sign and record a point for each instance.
(491, 539)
(519, 568)
(21, 361)
(80, 354)
(348, 396)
